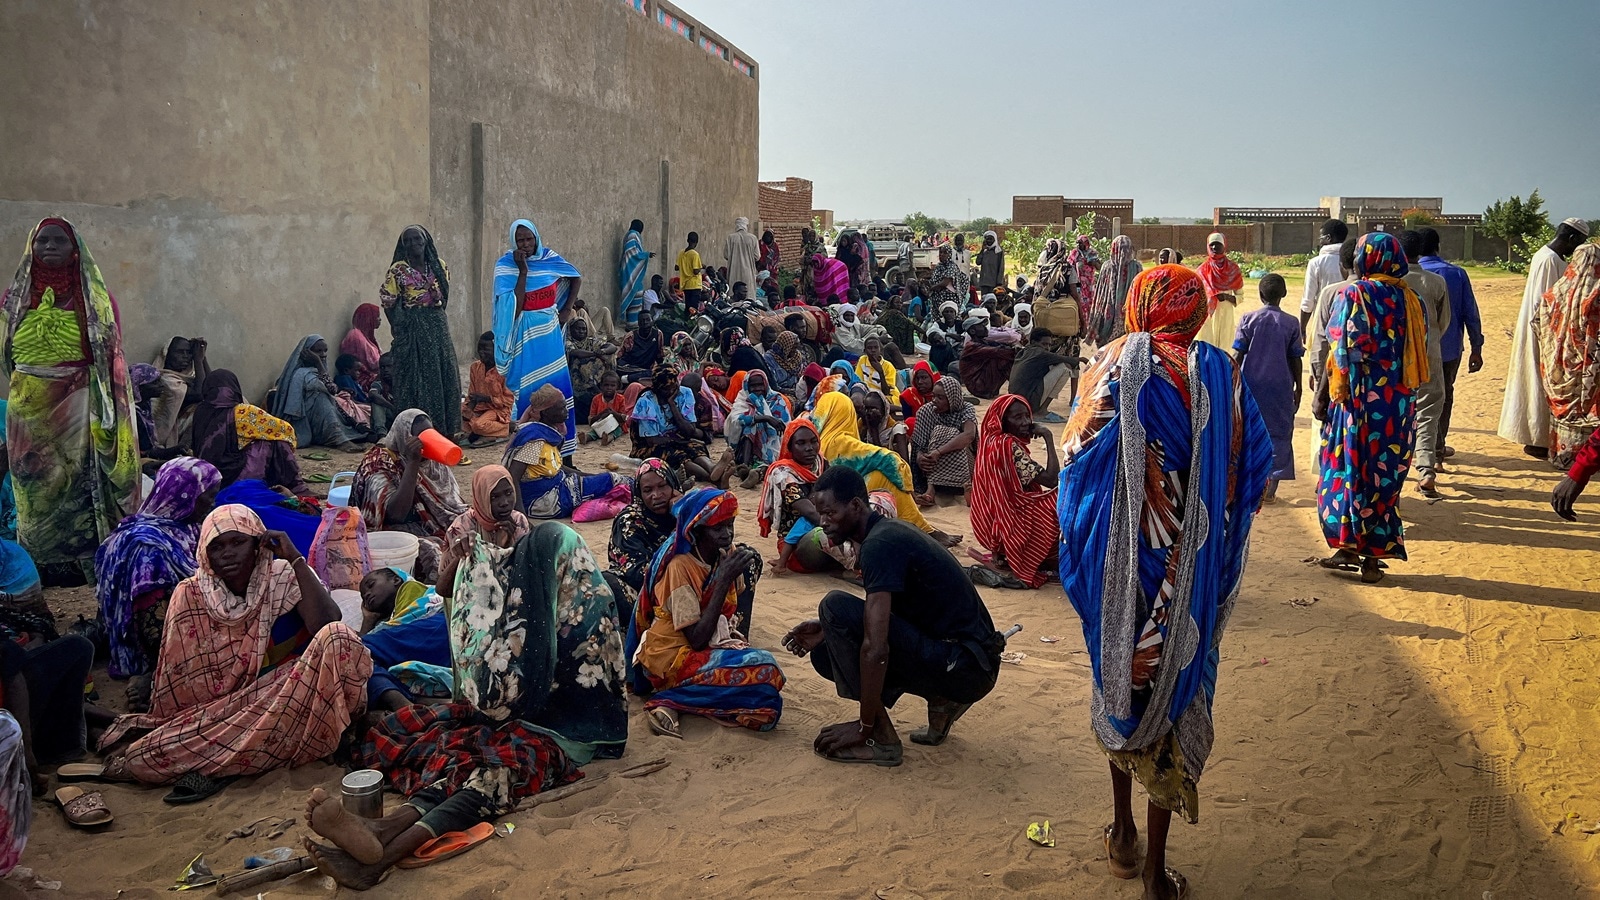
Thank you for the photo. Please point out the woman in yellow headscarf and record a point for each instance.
(883, 470)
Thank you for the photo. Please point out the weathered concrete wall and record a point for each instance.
(584, 107)
(240, 171)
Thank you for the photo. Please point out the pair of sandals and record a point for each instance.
(1126, 872)
(1370, 567)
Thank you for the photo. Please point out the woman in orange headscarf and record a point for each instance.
(361, 341)
(1222, 279)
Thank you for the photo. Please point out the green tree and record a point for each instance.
(1148, 220)
(1517, 221)
(922, 223)
(1417, 218)
(979, 225)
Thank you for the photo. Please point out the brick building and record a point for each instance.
(785, 207)
(1054, 209)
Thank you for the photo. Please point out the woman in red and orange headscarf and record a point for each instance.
(361, 341)
(74, 453)
(1222, 279)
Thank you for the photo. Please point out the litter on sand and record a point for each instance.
(1049, 638)
(1039, 833)
(1013, 656)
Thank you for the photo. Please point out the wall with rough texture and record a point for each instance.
(786, 208)
(240, 171)
(582, 109)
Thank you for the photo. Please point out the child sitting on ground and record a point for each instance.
(609, 400)
(1269, 349)
(345, 377)
(486, 413)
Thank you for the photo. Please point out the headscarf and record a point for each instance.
(753, 403)
(840, 434)
(139, 375)
(960, 411)
(1220, 274)
(779, 474)
(290, 400)
(545, 268)
(787, 352)
(1168, 302)
(1569, 340)
(683, 347)
(1016, 313)
(1016, 520)
(149, 550)
(223, 604)
(913, 397)
(480, 516)
(362, 339)
(1123, 267)
(991, 234)
(1380, 265)
(741, 224)
(438, 495)
(430, 260)
(484, 481)
(224, 424)
(544, 398)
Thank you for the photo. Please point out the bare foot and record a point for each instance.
(945, 539)
(1122, 851)
(339, 866)
(352, 834)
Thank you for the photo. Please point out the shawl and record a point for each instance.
(545, 268)
(139, 375)
(840, 436)
(630, 275)
(1569, 340)
(1361, 332)
(912, 398)
(787, 353)
(1086, 262)
(1112, 295)
(528, 348)
(361, 341)
(636, 532)
(437, 502)
(290, 400)
(1007, 516)
(149, 550)
(1220, 274)
(224, 424)
(111, 407)
(784, 472)
(832, 277)
(655, 421)
(1055, 270)
(1162, 475)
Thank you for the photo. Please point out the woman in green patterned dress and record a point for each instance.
(416, 296)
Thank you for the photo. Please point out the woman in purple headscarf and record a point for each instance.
(144, 558)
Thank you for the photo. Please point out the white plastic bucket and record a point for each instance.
(349, 603)
(392, 548)
(339, 494)
(607, 426)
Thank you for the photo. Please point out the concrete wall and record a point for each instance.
(590, 115)
(786, 208)
(240, 171)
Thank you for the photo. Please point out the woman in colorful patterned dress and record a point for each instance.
(1013, 497)
(1377, 358)
(74, 453)
(685, 641)
(1155, 509)
(416, 297)
(1568, 324)
(535, 293)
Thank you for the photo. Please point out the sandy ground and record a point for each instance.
(1426, 737)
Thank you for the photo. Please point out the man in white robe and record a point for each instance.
(1525, 412)
(741, 252)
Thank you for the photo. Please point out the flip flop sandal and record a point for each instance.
(930, 738)
(1340, 561)
(317, 455)
(318, 478)
(887, 756)
(987, 577)
(75, 772)
(1372, 576)
(465, 461)
(661, 723)
(83, 809)
(446, 846)
(194, 787)
(1179, 883)
(1120, 870)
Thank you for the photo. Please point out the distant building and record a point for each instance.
(785, 207)
(1233, 214)
(1372, 209)
(1054, 209)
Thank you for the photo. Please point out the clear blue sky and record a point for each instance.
(1183, 106)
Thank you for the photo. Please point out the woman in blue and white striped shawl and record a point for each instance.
(535, 292)
(631, 274)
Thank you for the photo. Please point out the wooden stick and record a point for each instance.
(263, 874)
(563, 793)
(643, 769)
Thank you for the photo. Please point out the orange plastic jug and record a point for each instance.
(439, 448)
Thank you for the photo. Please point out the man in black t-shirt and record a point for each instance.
(922, 630)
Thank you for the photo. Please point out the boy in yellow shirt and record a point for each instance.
(689, 279)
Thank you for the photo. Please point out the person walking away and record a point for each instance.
(631, 272)
(1158, 411)
(991, 264)
(70, 427)
(1525, 412)
(1435, 296)
(1323, 269)
(1567, 324)
(1464, 316)
(690, 279)
(535, 293)
(740, 251)
(416, 298)
(922, 630)
(1085, 264)
(1112, 294)
(1317, 335)
(1223, 280)
(1377, 360)
(1268, 352)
